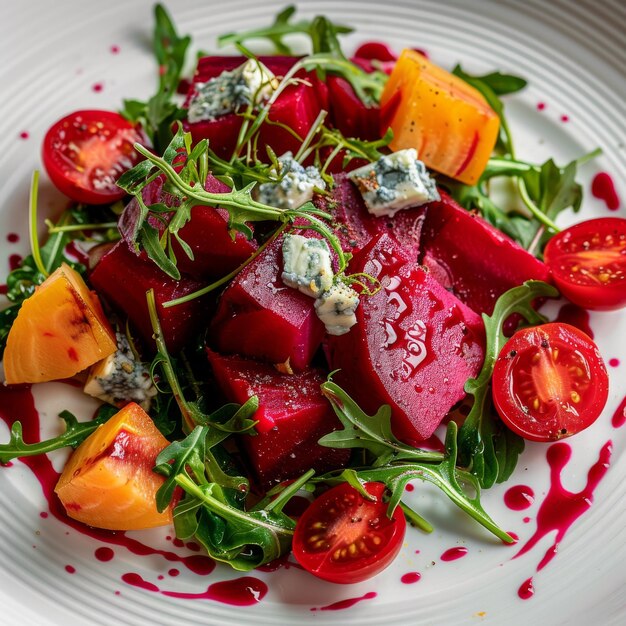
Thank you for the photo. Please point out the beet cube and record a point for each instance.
(475, 259)
(123, 279)
(356, 227)
(413, 347)
(215, 252)
(348, 112)
(292, 416)
(258, 316)
(296, 108)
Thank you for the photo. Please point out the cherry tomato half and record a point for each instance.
(588, 263)
(549, 382)
(344, 538)
(86, 152)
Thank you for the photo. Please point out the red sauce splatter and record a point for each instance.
(16, 402)
(526, 589)
(115, 49)
(24, 134)
(104, 554)
(346, 604)
(614, 362)
(410, 577)
(98, 87)
(619, 417)
(43, 515)
(178, 542)
(410, 487)
(13, 237)
(453, 554)
(603, 188)
(70, 569)
(135, 580)
(160, 577)
(519, 497)
(561, 508)
(173, 572)
(526, 520)
(15, 261)
(541, 106)
(575, 316)
(565, 118)
(243, 591)
(193, 546)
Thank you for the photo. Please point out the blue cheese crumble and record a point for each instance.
(395, 182)
(336, 308)
(120, 378)
(294, 187)
(307, 265)
(250, 83)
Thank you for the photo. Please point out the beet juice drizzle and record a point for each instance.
(558, 511)
(17, 402)
(561, 508)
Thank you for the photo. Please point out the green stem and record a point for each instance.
(279, 501)
(223, 509)
(32, 214)
(78, 227)
(415, 519)
(166, 364)
(538, 214)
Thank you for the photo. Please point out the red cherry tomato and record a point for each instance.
(549, 382)
(588, 263)
(344, 538)
(86, 152)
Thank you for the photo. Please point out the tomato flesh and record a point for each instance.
(87, 151)
(345, 538)
(549, 382)
(588, 263)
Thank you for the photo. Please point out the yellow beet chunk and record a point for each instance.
(446, 120)
(108, 481)
(59, 331)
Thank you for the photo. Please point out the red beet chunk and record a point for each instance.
(478, 261)
(414, 345)
(123, 279)
(296, 108)
(348, 112)
(258, 316)
(215, 252)
(292, 416)
(212, 66)
(357, 227)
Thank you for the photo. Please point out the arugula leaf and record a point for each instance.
(159, 113)
(372, 433)
(395, 464)
(485, 446)
(75, 433)
(278, 30)
(211, 514)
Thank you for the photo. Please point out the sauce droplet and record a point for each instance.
(614, 362)
(603, 188)
(541, 106)
(619, 417)
(519, 497)
(453, 554)
(24, 134)
(13, 237)
(346, 604)
(104, 554)
(411, 577)
(565, 118)
(526, 590)
(97, 87)
(70, 569)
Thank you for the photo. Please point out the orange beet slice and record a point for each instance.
(108, 481)
(447, 121)
(59, 331)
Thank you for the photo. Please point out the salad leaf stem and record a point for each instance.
(34, 236)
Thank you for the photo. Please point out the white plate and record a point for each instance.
(53, 56)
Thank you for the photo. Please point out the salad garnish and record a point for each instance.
(309, 233)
